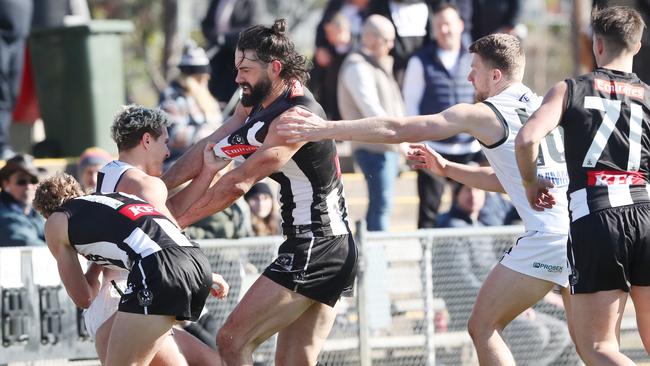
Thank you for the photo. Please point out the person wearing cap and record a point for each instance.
(20, 225)
(91, 160)
(193, 111)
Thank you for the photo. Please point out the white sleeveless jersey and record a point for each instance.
(513, 106)
(109, 176)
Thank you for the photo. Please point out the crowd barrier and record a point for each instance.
(413, 296)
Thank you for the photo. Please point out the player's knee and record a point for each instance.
(476, 326)
(228, 343)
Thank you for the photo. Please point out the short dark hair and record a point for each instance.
(131, 123)
(444, 5)
(272, 43)
(501, 51)
(621, 27)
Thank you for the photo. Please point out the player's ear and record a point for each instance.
(276, 67)
(146, 139)
(496, 75)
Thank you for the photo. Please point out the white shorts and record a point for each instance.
(106, 302)
(540, 255)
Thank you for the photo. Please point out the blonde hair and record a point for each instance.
(53, 192)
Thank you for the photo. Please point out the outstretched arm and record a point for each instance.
(189, 165)
(541, 123)
(180, 202)
(270, 157)
(475, 119)
(72, 275)
(474, 176)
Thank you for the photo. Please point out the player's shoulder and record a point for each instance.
(135, 180)
(301, 97)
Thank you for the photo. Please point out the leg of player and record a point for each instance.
(101, 338)
(265, 309)
(504, 295)
(135, 338)
(195, 352)
(301, 342)
(169, 354)
(596, 321)
(641, 298)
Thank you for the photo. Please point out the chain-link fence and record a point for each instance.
(414, 294)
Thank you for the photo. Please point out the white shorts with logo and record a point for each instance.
(541, 255)
(106, 302)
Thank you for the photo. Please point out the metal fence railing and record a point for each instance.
(414, 294)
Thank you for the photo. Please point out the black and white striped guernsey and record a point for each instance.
(311, 192)
(607, 141)
(116, 229)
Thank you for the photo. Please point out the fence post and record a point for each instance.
(430, 329)
(364, 332)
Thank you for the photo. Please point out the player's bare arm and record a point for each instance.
(272, 155)
(189, 165)
(67, 261)
(540, 124)
(424, 157)
(475, 119)
(180, 201)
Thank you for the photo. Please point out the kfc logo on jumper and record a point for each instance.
(136, 210)
(613, 178)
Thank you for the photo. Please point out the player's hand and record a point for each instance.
(220, 287)
(424, 157)
(299, 125)
(539, 194)
(211, 162)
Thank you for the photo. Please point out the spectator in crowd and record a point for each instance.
(15, 20)
(193, 111)
(327, 63)
(534, 337)
(355, 11)
(90, 162)
(465, 10)
(221, 26)
(436, 79)
(367, 88)
(20, 224)
(412, 22)
(264, 211)
(494, 16)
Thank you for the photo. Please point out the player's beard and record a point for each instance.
(258, 92)
(480, 97)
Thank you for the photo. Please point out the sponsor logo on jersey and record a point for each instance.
(234, 151)
(548, 267)
(614, 178)
(617, 87)
(137, 210)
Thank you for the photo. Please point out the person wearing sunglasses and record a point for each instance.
(20, 225)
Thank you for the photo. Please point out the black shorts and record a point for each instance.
(174, 281)
(610, 250)
(322, 269)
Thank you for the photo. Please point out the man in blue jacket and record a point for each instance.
(20, 225)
